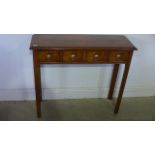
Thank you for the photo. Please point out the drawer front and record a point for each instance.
(73, 57)
(96, 56)
(119, 57)
(49, 56)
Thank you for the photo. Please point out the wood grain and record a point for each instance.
(82, 49)
(76, 41)
(113, 81)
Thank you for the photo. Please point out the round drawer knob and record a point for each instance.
(118, 55)
(49, 56)
(96, 55)
(73, 56)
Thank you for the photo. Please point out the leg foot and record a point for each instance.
(125, 75)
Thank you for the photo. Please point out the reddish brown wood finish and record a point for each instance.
(124, 79)
(78, 41)
(113, 81)
(73, 56)
(119, 57)
(96, 56)
(37, 82)
(82, 49)
(49, 56)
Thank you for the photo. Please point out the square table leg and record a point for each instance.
(37, 77)
(124, 79)
(113, 80)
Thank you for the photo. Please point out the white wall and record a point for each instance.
(65, 81)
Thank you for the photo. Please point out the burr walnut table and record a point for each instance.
(82, 49)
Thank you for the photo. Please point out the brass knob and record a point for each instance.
(73, 56)
(49, 56)
(118, 55)
(96, 55)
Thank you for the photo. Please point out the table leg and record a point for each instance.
(37, 77)
(125, 75)
(113, 80)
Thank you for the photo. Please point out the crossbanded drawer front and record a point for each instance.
(119, 57)
(96, 56)
(73, 57)
(49, 56)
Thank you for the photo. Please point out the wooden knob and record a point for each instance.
(73, 56)
(118, 55)
(49, 56)
(96, 55)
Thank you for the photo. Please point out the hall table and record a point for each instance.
(81, 49)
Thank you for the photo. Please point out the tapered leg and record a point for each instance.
(37, 83)
(125, 75)
(113, 81)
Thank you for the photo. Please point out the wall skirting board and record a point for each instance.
(71, 93)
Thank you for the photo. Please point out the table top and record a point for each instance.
(80, 41)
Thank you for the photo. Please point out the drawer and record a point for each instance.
(49, 56)
(73, 56)
(119, 56)
(96, 56)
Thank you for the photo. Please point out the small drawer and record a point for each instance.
(119, 56)
(49, 56)
(73, 56)
(96, 56)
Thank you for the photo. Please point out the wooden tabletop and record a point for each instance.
(78, 41)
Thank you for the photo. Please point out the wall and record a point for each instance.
(65, 81)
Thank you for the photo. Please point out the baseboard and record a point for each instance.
(71, 93)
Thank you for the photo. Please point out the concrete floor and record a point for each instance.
(132, 109)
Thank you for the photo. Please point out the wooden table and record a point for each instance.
(82, 49)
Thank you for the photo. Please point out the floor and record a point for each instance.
(132, 109)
